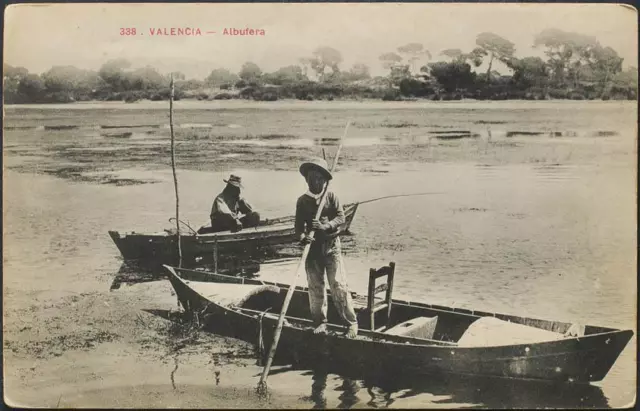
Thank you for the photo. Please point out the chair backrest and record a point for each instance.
(387, 287)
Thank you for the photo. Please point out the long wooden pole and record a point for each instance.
(262, 385)
(173, 167)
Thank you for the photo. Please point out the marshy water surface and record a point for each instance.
(535, 216)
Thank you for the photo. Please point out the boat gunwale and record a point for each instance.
(255, 313)
(434, 307)
(275, 228)
(407, 341)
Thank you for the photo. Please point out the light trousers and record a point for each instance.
(323, 260)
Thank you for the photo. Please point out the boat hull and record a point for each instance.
(162, 248)
(578, 360)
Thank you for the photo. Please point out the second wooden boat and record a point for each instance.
(161, 247)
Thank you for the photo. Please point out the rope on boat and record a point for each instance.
(204, 315)
(188, 226)
(260, 344)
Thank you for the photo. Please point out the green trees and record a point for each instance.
(573, 66)
(529, 72)
(414, 53)
(250, 72)
(577, 61)
(32, 87)
(113, 74)
(12, 77)
(220, 77)
(389, 60)
(325, 58)
(285, 75)
(358, 72)
(454, 76)
(495, 47)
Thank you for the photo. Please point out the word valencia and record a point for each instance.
(243, 32)
(176, 31)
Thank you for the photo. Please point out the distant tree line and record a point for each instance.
(575, 66)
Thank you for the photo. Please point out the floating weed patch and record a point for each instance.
(489, 122)
(20, 127)
(566, 133)
(601, 133)
(505, 144)
(373, 170)
(327, 141)
(453, 134)
(77, 174)
(132, 126)
(275, 136)
(126, 134)
(56, 346)
(126, 181)
(524, 133)
(398, 125)
(469, 209)
(61, 127)
(364, 125)
(196, 125)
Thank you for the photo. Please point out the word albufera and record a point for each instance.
(191, 31)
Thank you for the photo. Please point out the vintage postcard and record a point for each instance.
(320, 205)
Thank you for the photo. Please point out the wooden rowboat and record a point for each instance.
(415, 338)
(162, 247)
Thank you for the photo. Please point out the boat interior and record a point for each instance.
(380, 316)
(349, 210)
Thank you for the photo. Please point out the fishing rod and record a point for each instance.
(262, 385)
(397, 195)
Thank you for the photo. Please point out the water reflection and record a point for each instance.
(347, 398)
(446, 390)
(318, 387)
(243, 263)
(136, 272)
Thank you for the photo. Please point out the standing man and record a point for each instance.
(324, 254)
(226, 209)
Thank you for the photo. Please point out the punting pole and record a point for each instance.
(342, 267)
(262, 385)
(173, 167)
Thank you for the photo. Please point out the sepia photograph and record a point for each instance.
(320, 206)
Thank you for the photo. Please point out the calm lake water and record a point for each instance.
(534, 214)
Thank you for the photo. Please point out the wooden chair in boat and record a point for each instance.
(374, 306)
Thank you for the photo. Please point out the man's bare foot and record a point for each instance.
(321, 329)
(352, 331)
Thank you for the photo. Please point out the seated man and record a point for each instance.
(226, 209)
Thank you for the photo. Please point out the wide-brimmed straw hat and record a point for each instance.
(234, 181)
(317, 164)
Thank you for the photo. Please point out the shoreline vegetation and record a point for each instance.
(576, 67)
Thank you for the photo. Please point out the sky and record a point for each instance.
(38, 37)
